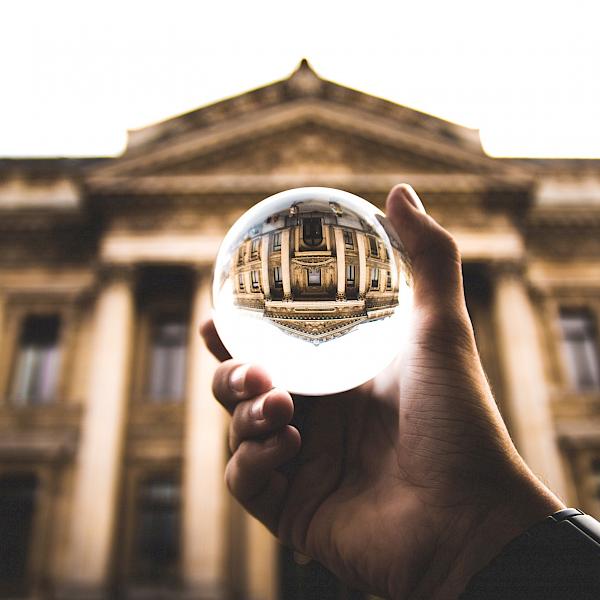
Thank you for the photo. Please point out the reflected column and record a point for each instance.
(285, 264)
(340, 254)
(264, 265)
(362, 264)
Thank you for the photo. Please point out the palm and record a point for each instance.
(367, 469)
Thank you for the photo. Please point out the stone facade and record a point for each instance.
(106, 415)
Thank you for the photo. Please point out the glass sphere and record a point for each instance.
(314, 285)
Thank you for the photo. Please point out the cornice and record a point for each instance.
(156, 185)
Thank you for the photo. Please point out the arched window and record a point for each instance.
(17, 507)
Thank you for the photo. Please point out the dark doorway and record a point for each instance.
(17, 507)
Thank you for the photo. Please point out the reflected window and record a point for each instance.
(312, 231)
(388, 281)
(254, 247)
(168, 350)
(350, 275)
(580, 345)
(241, 282)
(17, 507)
(37, 361)
(254, 277)
(241, 255)
(277, 240)
(348, 239)
(373, 246)
(374, 278)
(157, 535)
(314, 276)
(277, 277)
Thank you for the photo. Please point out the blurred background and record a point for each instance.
(133, 134)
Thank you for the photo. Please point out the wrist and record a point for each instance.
(482, 530)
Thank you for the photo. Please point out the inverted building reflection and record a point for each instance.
(316, 270)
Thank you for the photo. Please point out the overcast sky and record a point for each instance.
(75, 75)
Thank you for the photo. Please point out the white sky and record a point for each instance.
(75, 75)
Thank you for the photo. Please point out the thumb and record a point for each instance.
(434, 254)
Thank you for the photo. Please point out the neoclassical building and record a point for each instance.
(112, 449)
(316, 270)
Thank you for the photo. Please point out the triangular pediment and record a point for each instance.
(300, 126)
(306, 148)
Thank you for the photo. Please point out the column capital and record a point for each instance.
(507, 268)
(112, 272)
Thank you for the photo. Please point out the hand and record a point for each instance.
(408, 485)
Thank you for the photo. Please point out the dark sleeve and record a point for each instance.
(558, 558)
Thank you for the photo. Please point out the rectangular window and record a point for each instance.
(168, 353)
(241, 282)
(277, 240)
(374, 247)
(312, 231)
(388, 281)
(277, 277)
(314, 277)
(157, 531)
(374, 279)
(37, 361)
(241, 255)
(254, 277)
(580, 345)
(348, 239)
(350, 275)
(254, 247)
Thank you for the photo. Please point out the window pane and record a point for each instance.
(167, 358)
(277, 241)
(373, 246)
(581, 349)
(375, 278)
(158, 528)
(350, 274)
(37, 362)
(314, 276)
(348, 241)
(312, 231)
(277, 276)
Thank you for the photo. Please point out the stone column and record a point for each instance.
(285, 264)
(340, 254)
(362, 264)
(262, 562)
(100, 448)
(204, 490)
(264, 265)
(525, 385)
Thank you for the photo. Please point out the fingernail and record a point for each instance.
(256, 410)
(237, 379)
(409, 194)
